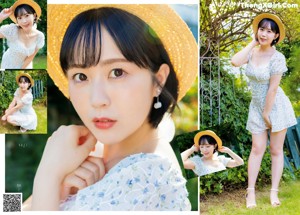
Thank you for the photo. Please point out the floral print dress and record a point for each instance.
(282, 114)
(202, 169)
(138, 182)
(25, 116)
(15, 55)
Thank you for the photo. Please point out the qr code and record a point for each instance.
(12, 202)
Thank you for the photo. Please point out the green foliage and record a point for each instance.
(234, 103)
(291, 84)
(236, 178)
(7, 88)
(188, 108)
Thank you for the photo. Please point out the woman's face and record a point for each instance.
(265, 35)
(23, 85)
(207, 150)
(114, 98)
(25, 20)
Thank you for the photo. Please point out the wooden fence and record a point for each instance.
(37, 89)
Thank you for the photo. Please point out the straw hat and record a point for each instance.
(26, 75)
(209, 133)
(33, 4)
(275, 18)
(170, 28)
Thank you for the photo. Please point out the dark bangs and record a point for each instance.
(25, 79)
(22, 9)
(138, 43)
(81, 45)
(207, 139)
(264, 23)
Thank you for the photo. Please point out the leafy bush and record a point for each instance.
(236, 178)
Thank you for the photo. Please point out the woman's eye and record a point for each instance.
(116, 73)
(79, 77)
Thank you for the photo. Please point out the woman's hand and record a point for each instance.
(6, 12)
(3, 118)
(267, 119)
(66, 150)
(88, 173)
(254, 40)
(224, 149)
(194, 148)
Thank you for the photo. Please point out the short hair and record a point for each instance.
(26, 80)
(274, 27)
(136, 40)
(19, 11)
(208, 139)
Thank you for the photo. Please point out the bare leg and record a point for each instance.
(276, 148)
(259, 144)
(11, 121)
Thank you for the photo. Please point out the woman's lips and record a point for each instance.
(104, 123)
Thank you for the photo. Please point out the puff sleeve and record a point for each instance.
(10, 31)
(40, 41)
(278, 65)
(224, 160)
(16, 94)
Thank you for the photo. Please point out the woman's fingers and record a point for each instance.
(88, 173)
(100, 166)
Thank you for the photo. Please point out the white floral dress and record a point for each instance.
(26, 116)
(202, 169)
(15, 55)
(282, 114)
(144, 182)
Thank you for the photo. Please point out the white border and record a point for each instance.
(123, 2)
(2, 168)
(2, 137)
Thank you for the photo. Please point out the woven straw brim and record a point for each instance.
(209, 133)
(26, 75)
(33, 4)
(175, 35)
(275, 18)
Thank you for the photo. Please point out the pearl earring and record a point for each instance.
(157, 104)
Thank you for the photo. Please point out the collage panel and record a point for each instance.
(249, 97)
(23, 101)
(116, 106)
(23, 33)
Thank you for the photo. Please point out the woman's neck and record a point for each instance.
(144, 140)
(210, 158)
(23, 92)
(266, 48)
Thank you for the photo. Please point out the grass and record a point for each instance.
(234, 202)
(40, 62)
(41, 112)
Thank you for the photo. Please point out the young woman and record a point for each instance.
(20, 111)
(269, 109)
(207, 142)
(23, 39)
(124, 70)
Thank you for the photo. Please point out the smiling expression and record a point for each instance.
(265, 35)
(207, 150)
(25, 20)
